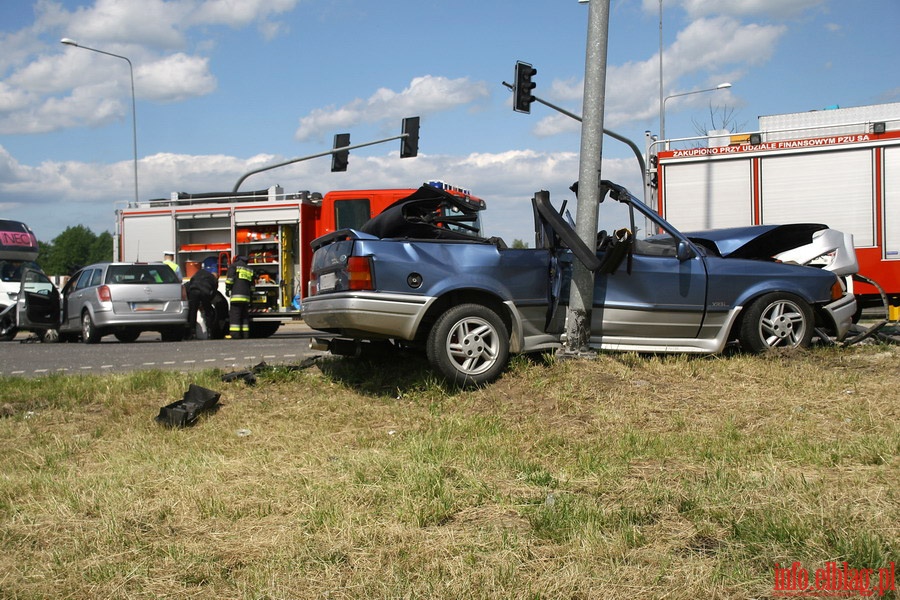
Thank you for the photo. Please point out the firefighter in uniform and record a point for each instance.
(239, 286)
(201, 289)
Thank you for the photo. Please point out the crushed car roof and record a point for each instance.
(424, 214)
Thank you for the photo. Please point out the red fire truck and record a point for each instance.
(840, 167)
(270, 227)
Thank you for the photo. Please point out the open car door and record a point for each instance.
(554, 233)
(38, 304)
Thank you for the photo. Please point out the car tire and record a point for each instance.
(468, 345)
(89, 332)
(8, 329)
(777, 320)
(128, 335)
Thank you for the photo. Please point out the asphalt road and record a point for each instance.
(26, 358)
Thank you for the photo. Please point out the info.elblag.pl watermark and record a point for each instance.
(834, 580)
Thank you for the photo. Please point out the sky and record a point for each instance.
(223, 87)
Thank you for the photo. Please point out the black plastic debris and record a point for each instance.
(246, 376)
(186, 411)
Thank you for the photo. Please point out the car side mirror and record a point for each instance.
(684, 251)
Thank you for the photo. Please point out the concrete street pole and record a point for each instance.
(581, 297)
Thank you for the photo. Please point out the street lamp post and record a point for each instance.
(662, 113)
(71, 42)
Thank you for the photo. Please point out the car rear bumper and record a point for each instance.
(146, 321)
(379, 315)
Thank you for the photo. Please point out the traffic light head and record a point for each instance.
(409, 145)
(339, 160)
(524, 86)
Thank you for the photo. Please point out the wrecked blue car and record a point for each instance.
(421, 275)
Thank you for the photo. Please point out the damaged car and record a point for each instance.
(421, 275)
(120, 299)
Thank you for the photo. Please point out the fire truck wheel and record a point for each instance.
(173, 334)
(263, 329)
(776, 320)
(468, 345)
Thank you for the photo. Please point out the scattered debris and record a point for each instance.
(248, 376)
(186, 411)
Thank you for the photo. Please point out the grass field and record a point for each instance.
(621, 477)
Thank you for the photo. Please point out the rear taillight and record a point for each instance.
(184, 292)
(103, 293)
(359, 273)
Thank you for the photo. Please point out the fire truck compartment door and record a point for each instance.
(272, 216)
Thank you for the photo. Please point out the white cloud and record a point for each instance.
(424, 95)
(773, 9)
(555, 124)
(43, 91)
(239, 13)
(89, 105)
(718, 49)
(569, 89)
(12, 99)
(160, 24)
(175, 77)
(152, 23)
(712, 43)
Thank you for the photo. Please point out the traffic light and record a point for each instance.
(409, 144)
(524, 85)
(339, 160)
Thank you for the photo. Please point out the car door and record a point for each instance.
(657, 292)
(554, 233)
(74, 296)
(38, 303)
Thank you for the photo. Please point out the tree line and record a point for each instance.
(74, 248)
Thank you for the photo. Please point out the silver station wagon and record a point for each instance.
(122, 299)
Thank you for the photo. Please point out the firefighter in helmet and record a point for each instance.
(239, 287)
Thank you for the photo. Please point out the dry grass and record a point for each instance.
(626, 476)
